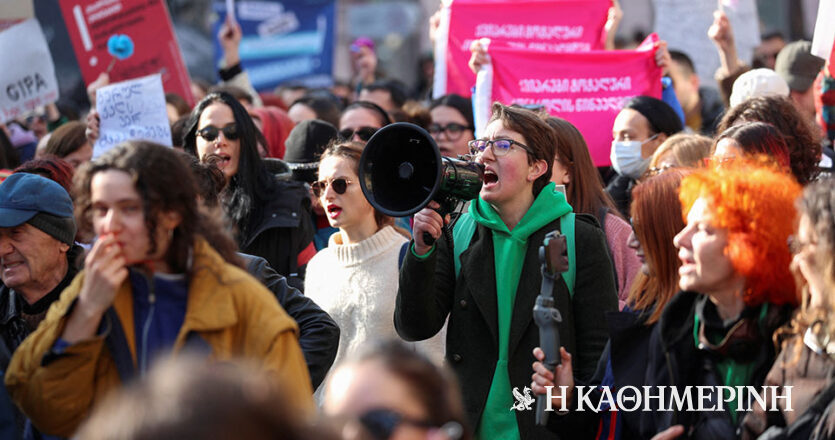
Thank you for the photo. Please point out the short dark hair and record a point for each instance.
(682, 58)
(179, 103)
(385, 119)
(458, 102)
(539, 137)
(397, 90)
(325, 109)
(662, 118)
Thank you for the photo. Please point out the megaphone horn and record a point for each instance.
(401, 170)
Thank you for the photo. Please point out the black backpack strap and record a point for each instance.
(117, 345)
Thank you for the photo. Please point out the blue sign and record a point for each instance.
(284, 41)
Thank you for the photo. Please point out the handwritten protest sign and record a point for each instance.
(144, 23)
(540, 25)
(27, 81)
(132, 109)
(587, 89)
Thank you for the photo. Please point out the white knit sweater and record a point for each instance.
(357, 285)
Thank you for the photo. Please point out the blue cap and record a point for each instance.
(23, 195)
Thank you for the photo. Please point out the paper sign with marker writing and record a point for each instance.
(132, 109)
(29, 81)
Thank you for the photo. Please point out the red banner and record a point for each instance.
(132, 38)
(587, 89)
(540, 25)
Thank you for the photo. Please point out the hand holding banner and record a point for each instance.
(29, 80)
(132, 109)
(540, 25)
(587, 89)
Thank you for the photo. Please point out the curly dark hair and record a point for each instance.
(163, 180)
(801, 137)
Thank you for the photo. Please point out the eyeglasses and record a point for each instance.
(453, 130)
(654, 171)
(500, 146)
(381, 424)
(210, 132)
(364, 133)
(340, 185)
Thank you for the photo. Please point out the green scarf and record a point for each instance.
(509, 254)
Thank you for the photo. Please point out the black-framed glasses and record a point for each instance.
(210, 132)
(364, 133)
(453, 130)
(500, 146)
(339, 185)
(381, 423)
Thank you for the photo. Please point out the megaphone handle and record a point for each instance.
(428, 239)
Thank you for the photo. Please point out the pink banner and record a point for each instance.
(543, 25)
(587, 89)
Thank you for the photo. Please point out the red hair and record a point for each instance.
(276, 126)
(756, 204)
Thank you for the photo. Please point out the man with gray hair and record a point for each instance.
(37, 257)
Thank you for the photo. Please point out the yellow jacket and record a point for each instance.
(230, 310)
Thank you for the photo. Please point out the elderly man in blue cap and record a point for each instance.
(37, 257)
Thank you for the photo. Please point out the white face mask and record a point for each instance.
(626, 158)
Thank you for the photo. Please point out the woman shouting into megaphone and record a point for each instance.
(487, 278)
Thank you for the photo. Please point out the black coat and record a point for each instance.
(282, 231)
(429, 292)
(318, 333)
(628, 347)
(674, 360)
(620, 190)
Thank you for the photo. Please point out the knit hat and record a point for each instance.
(305, 144)
(796, 64)
(39, 201)
(758, 82)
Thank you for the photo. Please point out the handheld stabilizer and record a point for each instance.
(553, 255)
(401, 170)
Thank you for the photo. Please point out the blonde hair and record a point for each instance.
(687, 150)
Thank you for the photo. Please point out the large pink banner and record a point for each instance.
(587, 89)
(540, 25)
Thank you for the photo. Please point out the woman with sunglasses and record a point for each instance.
(360, 120)
(452, 124)
(388, 391)
(271, 217)
(736, 291)
(161, 279)
(656, 219)
(807, 359)
(488, 294)
(355, 277)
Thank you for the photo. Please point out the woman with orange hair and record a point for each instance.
(737, 289)
(655, 220)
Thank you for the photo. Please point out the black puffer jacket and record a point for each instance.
(318, 333)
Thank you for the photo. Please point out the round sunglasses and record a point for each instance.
(210, 132)
(339, 185)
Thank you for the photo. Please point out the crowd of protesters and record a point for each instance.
(241, 285)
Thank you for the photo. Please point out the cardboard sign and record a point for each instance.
(539, 25)
(284, 40)
(28, 80)
(587, 89)
(132, 109)
(100, 31)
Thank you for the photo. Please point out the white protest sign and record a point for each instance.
(27, 79)
(133, 109)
